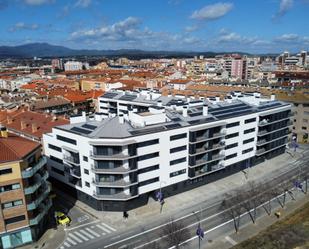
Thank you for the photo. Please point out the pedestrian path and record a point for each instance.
(83, 234)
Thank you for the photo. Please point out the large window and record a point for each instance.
(231, 156)
(156, 179)
(148, 156)
(247, 150)
(12, 204)
(53, 147)
(14, 219)
(56, 159)
(232, 135)
(5, 171)
(66, 139)
(177, 173)
(251, 120)
(177, 161)
(9, 187)
(248, 140)
(249, 131)
(148, 169)
(147, 143)
(232, 124)
(178, 136)
(230, 146)
(58, 171)
(177, 149)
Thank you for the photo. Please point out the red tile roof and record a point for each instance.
(15, 148)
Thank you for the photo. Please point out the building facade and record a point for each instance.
(117, 163)
(24, 191)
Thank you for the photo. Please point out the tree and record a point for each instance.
(175, 232)
(250, 198)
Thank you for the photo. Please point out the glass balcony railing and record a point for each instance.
(38, 201)
(30, 171)
(31, 189)
(39, 217)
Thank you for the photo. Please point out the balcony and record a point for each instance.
(203, 172)
(214, 136)
(265, 141)
(38, 218)
(265, 132)
(217, 146)
(264, 122)
(70, 159)
(118, 197)
(30, 171)
(118, 183)
(205, 161)
(118, 170)
(37, 202)
(117, 156)
(31, 189)
(264, 151)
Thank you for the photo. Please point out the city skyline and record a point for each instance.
(216, 26)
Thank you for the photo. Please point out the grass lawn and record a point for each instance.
(291, 232)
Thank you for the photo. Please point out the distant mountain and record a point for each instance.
(47, 50)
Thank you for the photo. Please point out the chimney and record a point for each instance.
(159, 103)
(3, 132)
(205, 110)
(272, 97)
(23, 124)
(121, 119)
(9, 120)
(34, 127)
(185, 111)
(217, 98)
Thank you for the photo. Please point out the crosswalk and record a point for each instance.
(86, 233)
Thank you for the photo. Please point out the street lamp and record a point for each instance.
(199, 230)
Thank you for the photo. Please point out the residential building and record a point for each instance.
(73, 66)
(118, 163)
(24, 191)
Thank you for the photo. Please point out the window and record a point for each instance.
(87, 184)
(58, 171)
(148, 156)
(12, 204)
(304, 128)
(156, 179)
(178, 136)
(56, 159)
(147, 143)
(148, 169)
(247, 150)
(177, 173)
(9, 187)
(248, 140)
(232, 135)
(5, 171)
(304, 120)
(53, 147)
(85, 158)
(251, 120)
(232, 125)
(86, 171)
(177, 161)
(249, 131)
(66, 139)
(230, 146)
(231, 156)
(177, 149)
(14, 219)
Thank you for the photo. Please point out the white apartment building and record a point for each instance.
(73, 66)
(174, 144)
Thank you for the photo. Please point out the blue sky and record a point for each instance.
(257, 26)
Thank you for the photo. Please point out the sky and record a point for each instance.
(254, 26)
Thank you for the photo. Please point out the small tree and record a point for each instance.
(250, 198)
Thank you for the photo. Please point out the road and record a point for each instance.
(96, 235)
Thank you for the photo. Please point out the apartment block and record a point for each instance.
(24, 190)
(118, 162)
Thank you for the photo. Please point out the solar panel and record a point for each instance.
(195, 114)
(127, 97)
(231, 111)
(109, 95)
(176, 119)
(201, 121)
(172, 126)
(80, 130)
(146, 131)
(234, 114)
(269, 106)
(88, 126)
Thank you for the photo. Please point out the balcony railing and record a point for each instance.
(71, 159)
(203, 172)
(265, 141)
(265, 132)
(30, 171)
(214, 158)
(31, 189)
(118, 170)
(205, 149)
(214, 136)
(117, 156)
(119, 196)
(264, 122)
(37, 202)
(264, 151)
(118, 183)
(39, 217)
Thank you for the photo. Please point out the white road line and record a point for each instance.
(75, 238)
(81, 236)
(62, 247)
(113, 229)
(87, 234)
(93, 232)
(104, 229)
(66, 244)
(229, 239)
(73, 228)
(71, 241)
(103, 233)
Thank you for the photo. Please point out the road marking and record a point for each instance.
(62, 247)
(81, 236)
(93, 232)
(71, 241)
(67, 244)
(113, 229)
(229, 239)
(87, 234)
(75, 238)
(104, 229)
(73, 228)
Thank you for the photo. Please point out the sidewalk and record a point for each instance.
(250, 230)
(180, 202)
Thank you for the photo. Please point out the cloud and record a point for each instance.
(191, 28)
(231, 37)
(284, 7)
(38, 2)
(212, 12)
(23, 26)
(83, 3)
(287, 38)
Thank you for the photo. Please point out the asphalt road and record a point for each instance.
(144, 237)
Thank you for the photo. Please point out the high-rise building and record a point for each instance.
(24, 191)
